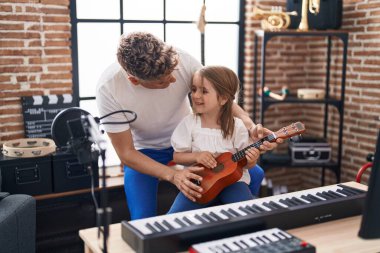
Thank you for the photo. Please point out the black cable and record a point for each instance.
(93, 189)
(117, 122)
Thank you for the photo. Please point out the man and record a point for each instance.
(153, 79)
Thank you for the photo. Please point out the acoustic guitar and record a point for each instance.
(229, 167)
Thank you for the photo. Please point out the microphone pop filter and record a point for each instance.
(59, 129)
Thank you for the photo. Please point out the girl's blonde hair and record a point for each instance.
(226, 84)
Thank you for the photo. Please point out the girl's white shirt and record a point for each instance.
(189, 136)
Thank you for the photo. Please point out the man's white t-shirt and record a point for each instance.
(158, 111)
(190, 136)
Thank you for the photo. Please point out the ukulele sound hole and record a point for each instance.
(218, 168)
(196, 182)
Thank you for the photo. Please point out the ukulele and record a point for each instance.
(229, 167)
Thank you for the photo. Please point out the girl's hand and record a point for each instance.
(252, 155)
(206, 158)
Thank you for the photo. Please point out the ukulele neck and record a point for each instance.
(240, 155)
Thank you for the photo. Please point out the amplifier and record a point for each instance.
(310, 150)
(26, 175)
(69, 174)
(53, 173)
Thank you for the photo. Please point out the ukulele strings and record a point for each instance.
(241, 154)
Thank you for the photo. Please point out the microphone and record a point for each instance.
(95, 135)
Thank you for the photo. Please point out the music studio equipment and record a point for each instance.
(274, 19)
(36, 166)
(176, 232)
(323, 14)
(310, 150)
(370, 225)
(229, 167)
(265, 241)
(32, 176)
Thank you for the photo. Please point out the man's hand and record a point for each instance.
(258, 132)
(206, 158)
(182, 179)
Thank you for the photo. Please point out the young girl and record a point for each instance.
(210, 131)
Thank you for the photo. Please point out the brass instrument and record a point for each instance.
(275, 19)
(313, 6)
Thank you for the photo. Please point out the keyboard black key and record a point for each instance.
(227, 247)
(309, 199)
(352, 189)
(267, 238)
(255, 241)
(266, 204)
(292, 202)
(215, 216)
(261, 239)
(336, 194)
(208, 217)
(167, 224)
(244, 243)
(234, 212)
(315, 198)
(188, 221)
(227, 213)
(300, 201)
(252, 209)
(277, 236)
(258, 208)
(345, 192)
(151, 228)
(238, 245)
(245, 210)
(284, 235)
(158, 225)
(276, 205)
(323, 195)
(331, 195)
(181, 223)
(201, 219)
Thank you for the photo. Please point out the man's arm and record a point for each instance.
(124, 146)
(256, 131)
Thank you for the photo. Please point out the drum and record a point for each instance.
(28, 147)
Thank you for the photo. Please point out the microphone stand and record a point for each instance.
(104, 213)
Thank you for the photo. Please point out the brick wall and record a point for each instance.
(35, 56)
(301, 63)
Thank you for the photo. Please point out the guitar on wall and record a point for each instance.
(229, 167)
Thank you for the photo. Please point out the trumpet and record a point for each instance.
(275, 19)
(313, 6)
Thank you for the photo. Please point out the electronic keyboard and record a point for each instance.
(265, 241)
(176, 232)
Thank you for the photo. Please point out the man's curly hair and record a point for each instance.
(145, 56)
